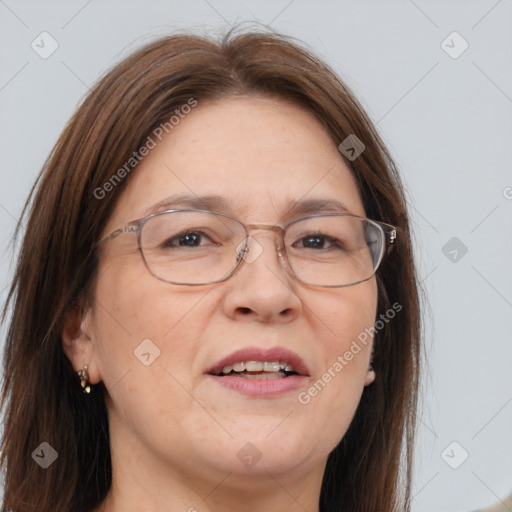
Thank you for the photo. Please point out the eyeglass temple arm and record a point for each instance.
(129, 228)
(391, 234)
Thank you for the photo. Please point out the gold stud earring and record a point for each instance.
(84, 376)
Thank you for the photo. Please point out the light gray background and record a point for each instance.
(448, 123)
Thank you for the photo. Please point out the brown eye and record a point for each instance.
(316, 242)
(188, 239)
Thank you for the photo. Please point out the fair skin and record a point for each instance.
(174, 434)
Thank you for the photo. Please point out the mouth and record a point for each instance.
(258, 370)
(255, 371)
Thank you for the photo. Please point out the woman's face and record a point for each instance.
(260, 156)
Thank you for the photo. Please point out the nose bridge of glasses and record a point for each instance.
(278, 230)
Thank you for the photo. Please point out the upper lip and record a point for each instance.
(280, 354)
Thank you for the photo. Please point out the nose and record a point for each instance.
(261, 289)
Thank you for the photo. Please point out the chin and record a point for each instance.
(282, 451)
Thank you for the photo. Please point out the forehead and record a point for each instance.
(259, 155)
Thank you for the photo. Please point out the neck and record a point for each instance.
(224, 494)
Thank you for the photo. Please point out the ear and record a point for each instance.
(370, 373)
(78, 343)
(370, 377)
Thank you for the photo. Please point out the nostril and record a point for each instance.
(244, 311)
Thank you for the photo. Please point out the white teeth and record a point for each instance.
(274, 366)
(254, 366)
(258, 366)
(239, 367)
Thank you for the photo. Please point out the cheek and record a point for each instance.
(344, 319)
(346, 315)
(140, 323)
(146, 334)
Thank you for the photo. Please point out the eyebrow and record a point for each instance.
(220, 204)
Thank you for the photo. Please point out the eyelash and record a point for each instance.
(332, 242)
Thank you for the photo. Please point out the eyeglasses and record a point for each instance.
(197, 247)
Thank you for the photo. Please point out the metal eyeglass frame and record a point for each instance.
(135, 226)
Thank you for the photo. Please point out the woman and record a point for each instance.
(215, 305)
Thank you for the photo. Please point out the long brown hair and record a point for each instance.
(370, 469)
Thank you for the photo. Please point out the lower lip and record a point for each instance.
(263, 388)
